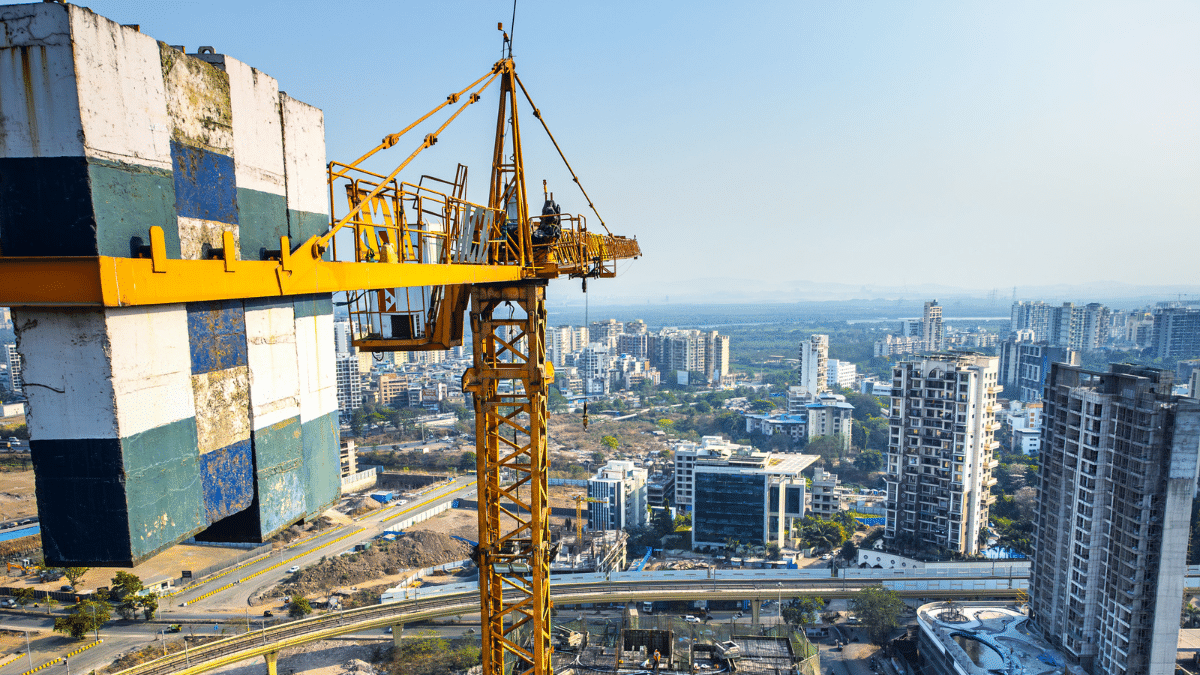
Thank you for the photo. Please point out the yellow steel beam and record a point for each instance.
(119, 282)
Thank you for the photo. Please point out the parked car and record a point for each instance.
(691, 619)
(268, 613)
(67, 588)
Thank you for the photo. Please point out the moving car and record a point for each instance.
(691, 619)
(294, 568)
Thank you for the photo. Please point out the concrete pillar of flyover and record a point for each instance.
(397, 635)
(755, 609)
(272, 662)
(163, 422)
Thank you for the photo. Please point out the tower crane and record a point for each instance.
(413, 257)
(579, 502)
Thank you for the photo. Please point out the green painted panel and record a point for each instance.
(322, 467)
(305, 224)
(162, 487)
(320, 304)
(262, 220)
(128, 200)
(278, 445)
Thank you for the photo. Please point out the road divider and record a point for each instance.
(10, 658)
(80, 649)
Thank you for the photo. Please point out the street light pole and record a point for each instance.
(28, 650)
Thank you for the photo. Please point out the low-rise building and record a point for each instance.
(349, 459)
(749, 496)
(830, 415)
(660, 489)
(825, 500)
(793, 426)
(980, 638)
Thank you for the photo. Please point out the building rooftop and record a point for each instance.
(989, 639)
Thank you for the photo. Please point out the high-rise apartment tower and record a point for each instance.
(814, 363)
(939, 473)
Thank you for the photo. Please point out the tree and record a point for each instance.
(125, 584)
(1026, 501)
(869, 460)
(610, 442)
(85, 617)
(824, 534)
(357, 419)
(149, 605)
(74, 574)
(849, 551)
(51, 603)
(665, 424)
(23, 596)
(773, 551)
(879, 611)
(800, 611)
(299, 607)
(761, 406)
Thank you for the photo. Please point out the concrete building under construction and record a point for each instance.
(1117, 477)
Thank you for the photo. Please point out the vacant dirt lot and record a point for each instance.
(16, 495)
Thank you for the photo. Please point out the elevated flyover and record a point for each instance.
(456, 599)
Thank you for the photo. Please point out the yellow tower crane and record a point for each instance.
(579, 501)
(411, 256)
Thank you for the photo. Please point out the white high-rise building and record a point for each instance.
(840, 374)
(1118, 471)
(621, 488)
(814, 363)
(342, 337)
(595, 369)
(939, 473)
(932, 336)
(349, 384)
(14, 368)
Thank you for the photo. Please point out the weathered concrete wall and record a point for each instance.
(154, 424)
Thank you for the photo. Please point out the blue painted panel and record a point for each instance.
(20, 532)
(216, 335)
(205, 187)
(227, 480)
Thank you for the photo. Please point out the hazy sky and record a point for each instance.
(962, 143)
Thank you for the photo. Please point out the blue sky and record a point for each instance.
(981, 145)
